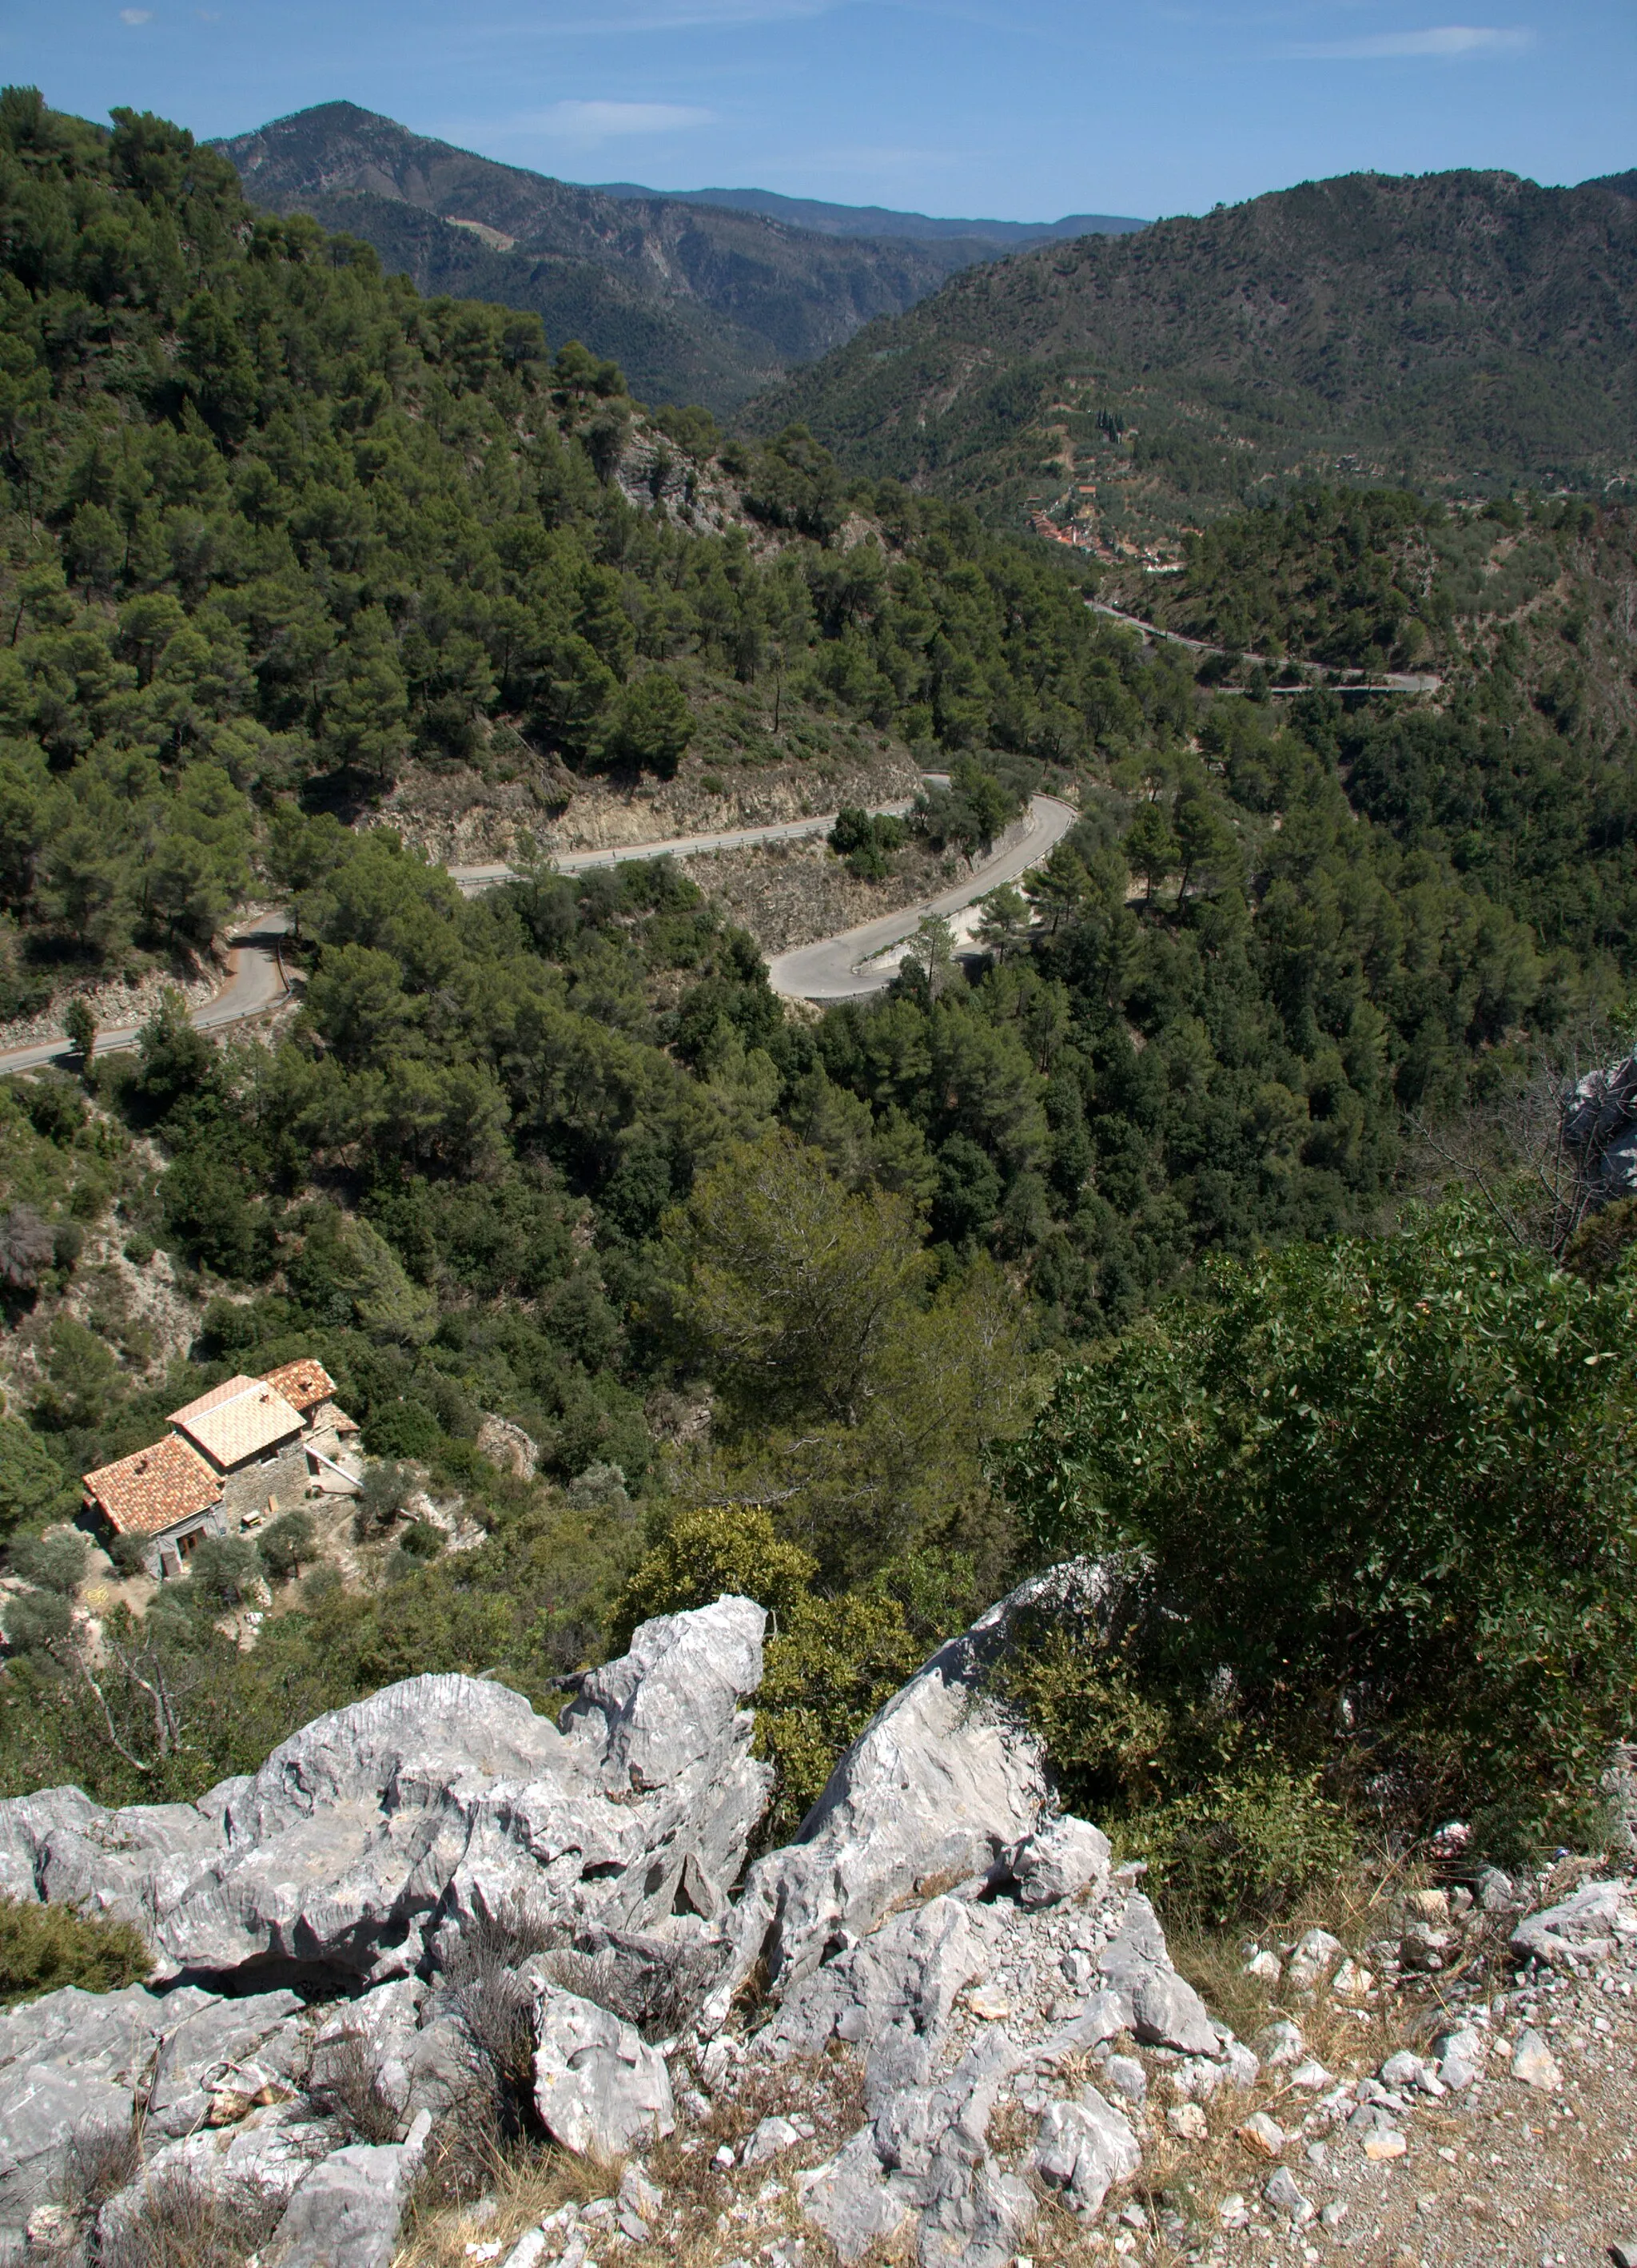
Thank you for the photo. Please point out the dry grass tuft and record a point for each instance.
(179, 2223)
(344, 2084)
(468, 2160)
(657, 1989)
(99, 2162)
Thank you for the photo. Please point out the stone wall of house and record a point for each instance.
(247, 1491)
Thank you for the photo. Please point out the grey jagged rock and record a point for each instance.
(1584, 1928)
(1086, 2145)
(1138, 1948)
(893, 1993)
(131, 1864)
(268, 2155)
(441, 1798)
(853, 2200)
(74, 2062)
(673, 1700)
(930, 1920)
(265, 2025)
(942, 1785)
(600, 2089)
(382, 2031)
(346, 2212)
(1168, 2013)
(666, 1721)
(1065, 1859)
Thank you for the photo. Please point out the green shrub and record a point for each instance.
(33, 1487)
(1244, 1845)
(44, 1947)
(55, 1562)
(712, 1554)
(403, 1429)
(224, 1571)
(1377, 1504)
(288, 1544)
(129, 1553)
(829, 1663)
(829, 1669)
(385, 1488)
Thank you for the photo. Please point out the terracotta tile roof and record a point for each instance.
(304, 1384)
(154, 1489)
(245, 1428)
(229, 1390)
(231, 1427)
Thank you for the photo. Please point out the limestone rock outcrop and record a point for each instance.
(971, 1956)
(441, 1797)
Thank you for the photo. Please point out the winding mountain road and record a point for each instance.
(856, 962)
(837, 968)
(1395, 680)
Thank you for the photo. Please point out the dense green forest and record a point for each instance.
(1467, 329)
(766, 1288)
(277, 526)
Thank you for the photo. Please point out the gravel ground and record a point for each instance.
(1511, 2169)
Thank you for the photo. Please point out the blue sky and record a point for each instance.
(1021, 111)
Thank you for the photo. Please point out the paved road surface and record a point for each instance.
(255, 981)
(848, 967)
(255, 973)
(1396, 681)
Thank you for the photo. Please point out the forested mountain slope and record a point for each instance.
(272, 522)
(278, 525)
(698, 302)
(1468, 328)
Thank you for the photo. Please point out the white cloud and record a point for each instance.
(135, 15)
(1442, 40)
(604, 121)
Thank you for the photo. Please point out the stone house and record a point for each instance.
(249, 1449)
(165, 1495)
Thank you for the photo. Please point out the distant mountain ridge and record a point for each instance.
(1468, 328)
(698, 301)
(883, 220)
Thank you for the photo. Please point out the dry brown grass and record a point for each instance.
(346, 2084)
(99, 2160)
(467, 2160)
(179, 2223)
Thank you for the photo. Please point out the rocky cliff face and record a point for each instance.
(931, 2020)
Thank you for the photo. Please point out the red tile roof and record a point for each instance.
(231, 1427)
(155, 1488)
(304, 1384)
(229, 1390)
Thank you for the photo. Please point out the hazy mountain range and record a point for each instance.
(882, 220)
(709, 296)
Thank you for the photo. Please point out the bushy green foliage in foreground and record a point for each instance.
(1375, 1505)
(44, 1947)
(831, 1662)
